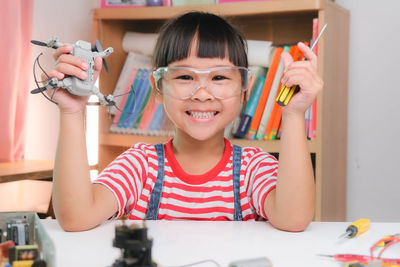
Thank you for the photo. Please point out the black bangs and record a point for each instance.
(215, 37)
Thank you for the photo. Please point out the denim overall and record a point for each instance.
(155, 198)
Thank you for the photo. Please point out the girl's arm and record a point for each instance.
(78, 204)
(290, 206)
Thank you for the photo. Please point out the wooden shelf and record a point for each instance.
(279, 21)
(226, 9)
(122, 140)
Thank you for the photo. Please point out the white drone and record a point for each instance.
(85, 51)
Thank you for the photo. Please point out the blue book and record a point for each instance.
(247, 116)
(254, 97)
(157, 118)
(244, 125)
(132, 105)
(141, 92)
(131, 99)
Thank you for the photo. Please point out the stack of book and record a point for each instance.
(260, 118)
(136, 111)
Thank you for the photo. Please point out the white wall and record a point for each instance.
(70, 21)
(373, 180)
(373, 131)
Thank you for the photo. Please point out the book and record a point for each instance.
(124, 97)
(265, 92)
(141, 91)
(307, 119)
(276, 113)
(191, 2)
(271, 98)
(123, 114)
(122, 3)
(148, 115)
(143, 107)
(235, 1)
(251, 106)
(131, 99)
(157, 118)
(133, 61)
(313, 125)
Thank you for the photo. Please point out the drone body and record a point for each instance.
(75, 85)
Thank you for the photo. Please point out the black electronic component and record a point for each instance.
(18, 231)
(134, 245)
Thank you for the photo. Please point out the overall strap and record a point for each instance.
(155, 198)
(236, 165)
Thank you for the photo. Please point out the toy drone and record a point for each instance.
(85, 51)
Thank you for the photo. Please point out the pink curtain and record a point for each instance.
(15, 70)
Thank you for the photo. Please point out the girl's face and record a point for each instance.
(201, 116)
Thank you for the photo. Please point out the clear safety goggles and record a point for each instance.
(183, 82)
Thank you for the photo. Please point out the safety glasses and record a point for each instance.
(183, 82)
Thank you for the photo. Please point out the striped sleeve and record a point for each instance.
(261, 173)
(125, 177)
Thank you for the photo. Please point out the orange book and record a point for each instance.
(265, 92)
(275, 117)
(276, 122)
(276, 113)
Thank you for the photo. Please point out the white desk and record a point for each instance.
(182, 242)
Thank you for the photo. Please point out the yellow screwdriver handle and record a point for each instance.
(286, 94)
(362, 225)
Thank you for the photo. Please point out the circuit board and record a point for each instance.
(24, 241)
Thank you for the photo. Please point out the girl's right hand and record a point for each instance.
(69, 65)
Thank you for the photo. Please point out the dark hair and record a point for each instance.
(214, 35)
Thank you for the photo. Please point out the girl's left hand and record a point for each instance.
(305, 74)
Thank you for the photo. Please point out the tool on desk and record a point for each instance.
(356, 228)
(135, 246)
(286, 93)
(256, 262)
(363, 259)
(387, 239)
(353, 260)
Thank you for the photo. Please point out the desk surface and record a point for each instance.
(25, 170)
(178, 243)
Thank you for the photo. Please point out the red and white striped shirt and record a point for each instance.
(132, 175)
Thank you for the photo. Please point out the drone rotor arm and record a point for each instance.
(106, 53)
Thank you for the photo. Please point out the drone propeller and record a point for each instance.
(97, 47)
(38, 43)
(38, 90)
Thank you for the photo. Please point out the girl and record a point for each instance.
(201, 77)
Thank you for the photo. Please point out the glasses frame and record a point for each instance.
(158, 73)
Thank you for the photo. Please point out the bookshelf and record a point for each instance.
(285, 21)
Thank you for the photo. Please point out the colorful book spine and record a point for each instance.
(132, 61)
(251, 107)
(141, 92)
(157, 118)
(131, 99)
(271, 99)
(124, 97)
(143, 108)
(148, 115)
(264, 95)
(313, 130)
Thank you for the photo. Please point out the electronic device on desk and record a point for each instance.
(23, 241)
(135, 246)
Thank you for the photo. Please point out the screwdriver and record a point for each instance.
(286, 93)
(356, 228)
